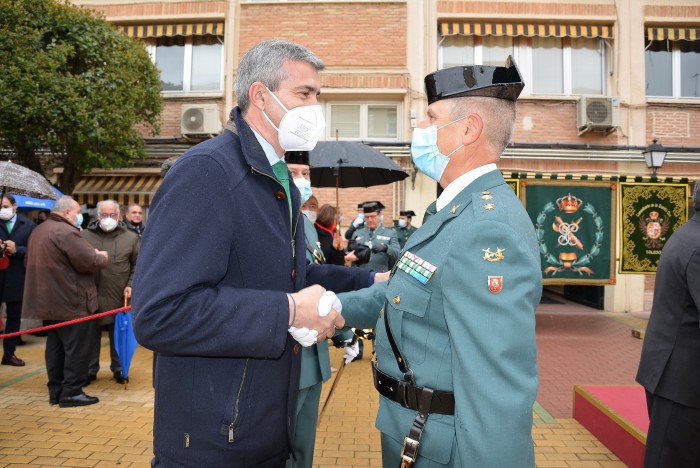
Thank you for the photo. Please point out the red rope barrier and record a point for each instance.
(68, 322)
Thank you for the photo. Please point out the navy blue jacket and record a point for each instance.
(209, 297)
(12, 278)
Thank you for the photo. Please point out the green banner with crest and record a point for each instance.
(649, 214)
(575, 226)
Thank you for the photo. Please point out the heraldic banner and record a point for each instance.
(575, 224)
(649, 214)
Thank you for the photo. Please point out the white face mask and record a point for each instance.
(108, 224)
(310, 214)
(300, 128)
(402, 223)
(6, 214)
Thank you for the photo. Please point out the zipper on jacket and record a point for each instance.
(292, 228)
(232, 426)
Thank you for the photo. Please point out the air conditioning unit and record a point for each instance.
(598, 113)
(200, 119)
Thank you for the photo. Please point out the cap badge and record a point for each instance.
(495, 284)
(496, 256)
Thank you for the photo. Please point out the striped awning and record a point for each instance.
(673, 34)
(124, 189)
(595, 177)
(526, 30)
(171, 30)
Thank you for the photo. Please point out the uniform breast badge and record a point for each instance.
(415, 266)
(495, 284)
(496, 256)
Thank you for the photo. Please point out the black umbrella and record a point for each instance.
(344, 164)
(22, 181)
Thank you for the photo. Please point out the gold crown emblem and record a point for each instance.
(654, 215)
(569, 203)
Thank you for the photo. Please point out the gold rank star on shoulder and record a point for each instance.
(489, 207)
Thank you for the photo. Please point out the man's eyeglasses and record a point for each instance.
(108, 215)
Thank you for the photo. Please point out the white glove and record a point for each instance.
(327, 302)
(304, 336)
(351, 350)
(358, 221)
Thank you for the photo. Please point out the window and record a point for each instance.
(368, 122)
(189, 64)
(549, 64)
(672, 69)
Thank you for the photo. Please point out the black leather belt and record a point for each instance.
(409, 396)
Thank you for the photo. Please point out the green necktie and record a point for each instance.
(282, 174)
(9, 226)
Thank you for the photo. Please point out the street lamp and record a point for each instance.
(654, 156)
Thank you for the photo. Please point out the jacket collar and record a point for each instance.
(253, 153)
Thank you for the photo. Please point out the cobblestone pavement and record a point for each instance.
(576, 345)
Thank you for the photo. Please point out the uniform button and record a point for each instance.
(280, 195)
(294, 274)
(296, 348)
(397, 299)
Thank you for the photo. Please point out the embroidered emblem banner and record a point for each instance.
(649, 214)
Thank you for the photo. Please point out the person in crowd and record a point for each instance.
(380, 242)
(328, 235)
(357, 223)
(114, 282)
(310, 208)
(60, 286)
(456, 364)
(227, 309)
(404, 229)
(15, 230)
(133, 219)
(668, 369)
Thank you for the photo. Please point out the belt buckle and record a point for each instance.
(409, 452)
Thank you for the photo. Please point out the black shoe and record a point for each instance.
(78, 400)
(53, 400)
(119, 377)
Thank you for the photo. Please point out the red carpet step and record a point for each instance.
(617, 416)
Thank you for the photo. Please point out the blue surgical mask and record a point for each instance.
(340, 219)
(79, 220)
(402, 223)
(425, 153)
(304, 187)
(381, 219)
(361, 215)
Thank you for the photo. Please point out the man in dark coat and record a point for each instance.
(59, 287)
(133, 219)
(114, 282)
(14, 236)
(219, 289)
(668, 369)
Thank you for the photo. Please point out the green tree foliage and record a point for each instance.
(71, 83)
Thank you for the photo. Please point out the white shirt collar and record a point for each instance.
(460, 183)
(269, 150)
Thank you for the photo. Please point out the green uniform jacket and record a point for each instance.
(379, 261)
(403, 234)
(459, 336)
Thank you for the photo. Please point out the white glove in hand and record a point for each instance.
(327, 302)
(304, 336)
(351, 350)
(358, 221)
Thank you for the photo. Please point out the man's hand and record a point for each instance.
(358, 221)
(352, 349)
(379, 248)
(381, 277)
(127, 291)
(351, 257)
(11, 247)
(103, 253)
(308, 316)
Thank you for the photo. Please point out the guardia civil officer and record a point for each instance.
(404, 229)
(380, 242)
(456, 363)
(357, 223)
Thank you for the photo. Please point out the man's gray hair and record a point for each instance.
(696, 196)
(102, 203)
(498, 116)
(264, 63)
(62, 204)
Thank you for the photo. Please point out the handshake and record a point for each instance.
(314, 315)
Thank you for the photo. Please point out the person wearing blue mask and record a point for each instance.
(403, 228)
(456, 363)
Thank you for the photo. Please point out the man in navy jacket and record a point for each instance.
(222, 274)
